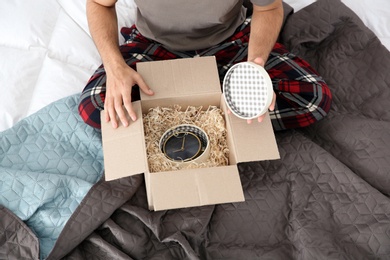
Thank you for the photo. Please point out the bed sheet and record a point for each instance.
(47, 52)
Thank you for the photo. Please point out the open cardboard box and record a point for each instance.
(186, 82)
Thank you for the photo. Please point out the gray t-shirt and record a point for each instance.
(190, 24)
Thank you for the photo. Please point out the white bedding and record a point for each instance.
(47, 53)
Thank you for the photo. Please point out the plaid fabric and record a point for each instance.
(302, 96)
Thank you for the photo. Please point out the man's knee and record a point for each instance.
(89, 113)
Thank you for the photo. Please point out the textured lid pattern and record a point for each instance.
(248, 90)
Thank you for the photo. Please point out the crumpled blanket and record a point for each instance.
(48, 163)
(356, 66)
(326, 198)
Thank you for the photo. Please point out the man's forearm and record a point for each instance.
(103, 25)
(265, 28)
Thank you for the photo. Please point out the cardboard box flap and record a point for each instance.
(124, 147)
(187, 81)
(189, 188)
(180, 77)
(252, 142)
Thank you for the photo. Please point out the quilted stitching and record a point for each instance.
(49, 161)
(103, 199)
(18, 242)
(355, 65)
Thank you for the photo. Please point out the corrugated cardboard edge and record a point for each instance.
(123, 144)
(251, 142)
(193, 187)
(178, 78)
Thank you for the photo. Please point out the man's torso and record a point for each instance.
(189, 25)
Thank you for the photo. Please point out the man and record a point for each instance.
(169, 29)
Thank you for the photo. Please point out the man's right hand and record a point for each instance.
(119, 84)
(103, 25)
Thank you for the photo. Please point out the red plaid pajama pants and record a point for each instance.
(302, 96)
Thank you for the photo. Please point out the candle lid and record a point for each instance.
(248, 90)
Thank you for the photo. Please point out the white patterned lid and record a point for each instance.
(247, 89)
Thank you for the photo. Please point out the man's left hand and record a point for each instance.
(261, 62)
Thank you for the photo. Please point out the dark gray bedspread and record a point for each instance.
(326, 198)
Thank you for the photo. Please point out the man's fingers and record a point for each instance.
(259, 61)
(131, 112)
(129, 107)
(142, 85)
(272, 106)
(111, 116)
(106, 115)
(120, 111)
(260, 118)
(109, 111)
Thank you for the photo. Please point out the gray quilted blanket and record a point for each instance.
(326, 198)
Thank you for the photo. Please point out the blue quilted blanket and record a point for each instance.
(48, 163)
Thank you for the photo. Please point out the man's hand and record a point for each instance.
(118, 95)
(103, 25)
(265, 27)
(261, 62)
